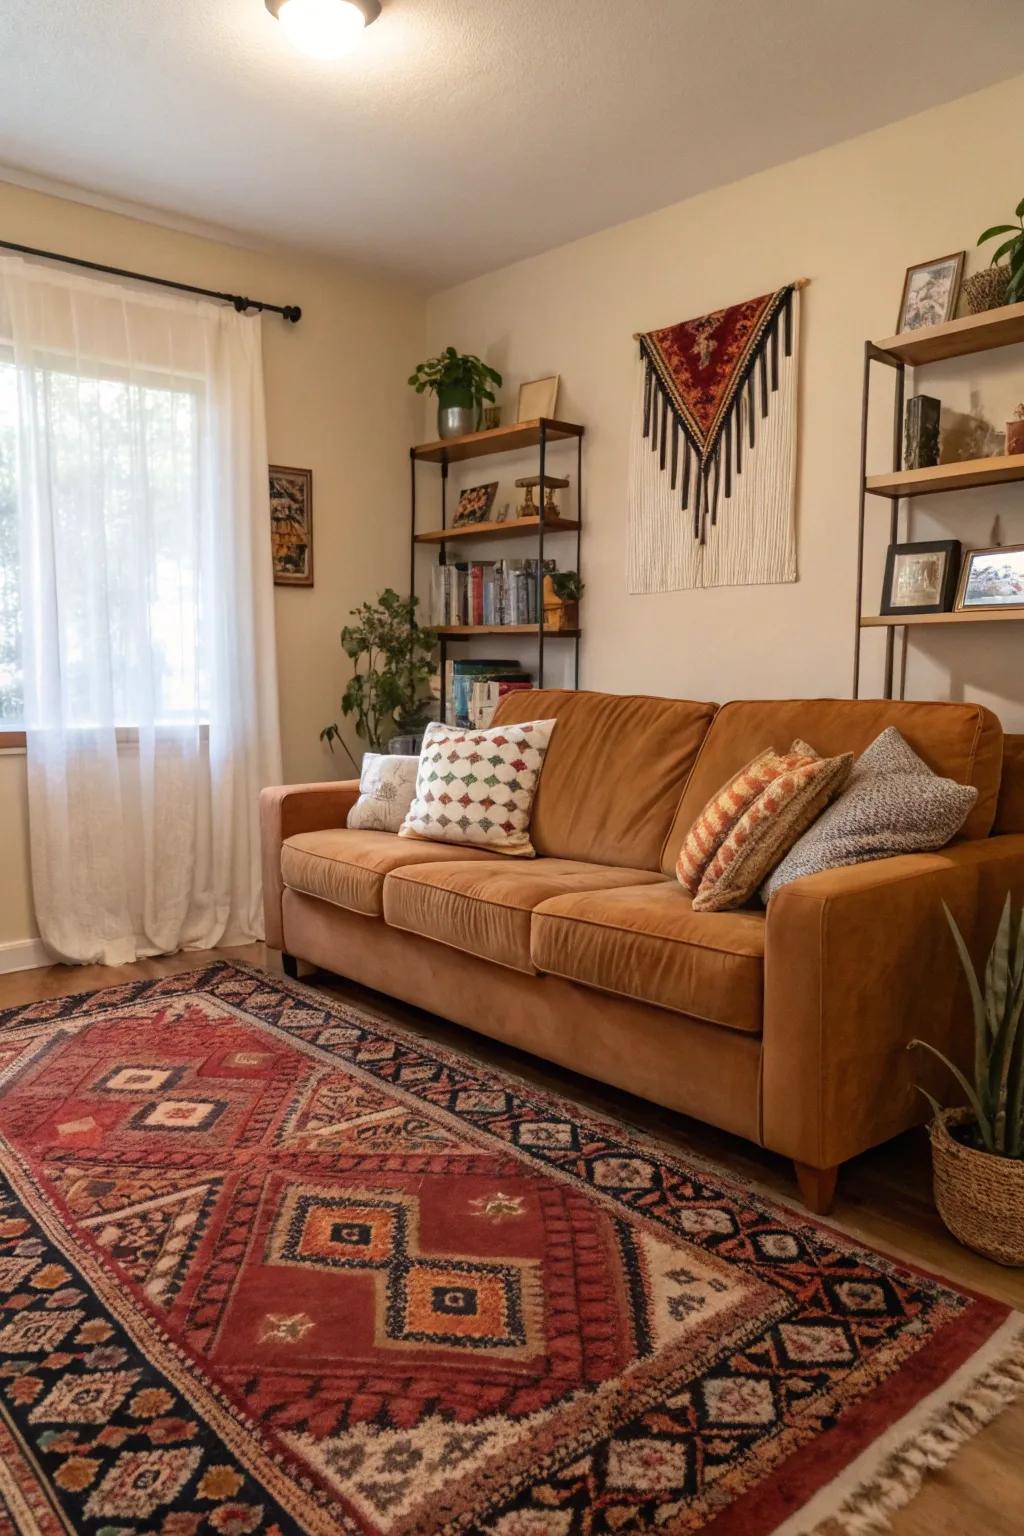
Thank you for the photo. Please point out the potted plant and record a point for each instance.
(978, 1150)
(562, 593)
(393, 660)
(998, 285)
(1015, 431)
(461, 383)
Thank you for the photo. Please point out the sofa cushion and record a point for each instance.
(485, 909)
(958, 741)
(347, 867)
(613, 773)
(1010, 811)
(648, 943)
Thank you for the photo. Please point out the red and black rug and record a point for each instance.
(269, 1264)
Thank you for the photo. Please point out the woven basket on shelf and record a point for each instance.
(986, 289)
(979, 1196)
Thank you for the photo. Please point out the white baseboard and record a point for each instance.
(23, 955)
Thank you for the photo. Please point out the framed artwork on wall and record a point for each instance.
(291, 525)
(930, 292)
(992, 578)
(921, 578)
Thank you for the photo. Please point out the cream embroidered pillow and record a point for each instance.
(386, 788)
(765, 832)
(476, 788)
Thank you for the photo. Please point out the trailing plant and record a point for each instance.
(1012, 249)
(996, 1095)
(567, 586)
(456, 373)
(393, 660)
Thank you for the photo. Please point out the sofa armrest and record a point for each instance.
(286, 810)
(859, 961)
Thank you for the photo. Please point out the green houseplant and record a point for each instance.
(562, 593)
(462, 383)
(393, 660)
(978, 1151)
(999, 283)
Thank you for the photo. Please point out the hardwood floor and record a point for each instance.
(884, 1198)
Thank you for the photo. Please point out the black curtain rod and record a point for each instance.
(290, 312)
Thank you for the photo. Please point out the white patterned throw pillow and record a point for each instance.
(893, 803)
(476, 787)
(386, 788)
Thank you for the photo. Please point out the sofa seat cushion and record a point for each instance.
(650, 945)
(347, 867)
(485, 909)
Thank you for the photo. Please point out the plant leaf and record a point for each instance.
(984, 1123)
(1006, 246)
(1019, 210)
(997, 229)
(978, 1006)
(997, 972)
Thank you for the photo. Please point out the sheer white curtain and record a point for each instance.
(147, 627)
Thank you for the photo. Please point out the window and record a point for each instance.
(123, 485)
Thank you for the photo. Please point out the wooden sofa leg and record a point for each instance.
(289, 965)
(817, 1187)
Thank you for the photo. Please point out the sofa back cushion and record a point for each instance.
(959, 741)
(1010, 810)
(613, 774)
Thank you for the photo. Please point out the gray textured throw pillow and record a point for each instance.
(893, 803)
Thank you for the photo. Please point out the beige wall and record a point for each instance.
(336, 402)
(851, 218)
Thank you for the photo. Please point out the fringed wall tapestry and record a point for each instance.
(713, 450)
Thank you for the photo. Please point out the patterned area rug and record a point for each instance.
(270, 1264)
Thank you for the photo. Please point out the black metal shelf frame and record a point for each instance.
(543, 448)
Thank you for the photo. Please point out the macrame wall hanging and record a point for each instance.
(713, 450)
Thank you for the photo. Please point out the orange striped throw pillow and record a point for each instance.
(725, 808)
(767, 830)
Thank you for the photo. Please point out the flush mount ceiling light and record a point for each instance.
(324, 28)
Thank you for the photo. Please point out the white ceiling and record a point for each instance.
(463, 134)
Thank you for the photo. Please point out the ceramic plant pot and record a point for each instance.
(457, 413)
(1015, 437)
(986, 289)
(979, 1196)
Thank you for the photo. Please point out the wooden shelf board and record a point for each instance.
(948, 477)
(477, 445)
(966, 616)
(958, 338)
(466, 631)
(517, 527)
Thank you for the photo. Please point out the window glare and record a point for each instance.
(123, 466)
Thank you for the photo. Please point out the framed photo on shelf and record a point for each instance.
(930, 292)
(539, 397)
(921, 578)
(291, 525)
(992, 578)
(474, 505)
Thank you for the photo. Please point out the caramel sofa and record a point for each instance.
(787, 1026)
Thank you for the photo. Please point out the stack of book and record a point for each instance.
(473, 688)
(487, 592)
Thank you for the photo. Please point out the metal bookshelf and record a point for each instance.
(957, 338)
(542, 434)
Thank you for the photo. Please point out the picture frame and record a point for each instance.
(992, 579)
(537, 397)
(291, 525)
(931, 290)
(474, 504)
(921, 577)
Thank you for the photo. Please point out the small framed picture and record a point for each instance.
(930, 292)
(992, 578)
(475, 504)
(291, 525)
(921, 578)
(538, 398)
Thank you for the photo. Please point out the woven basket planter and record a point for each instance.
(980, 1197)
(986, 289)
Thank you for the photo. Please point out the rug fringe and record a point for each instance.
(868, 1511)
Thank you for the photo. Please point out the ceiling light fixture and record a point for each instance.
(324, 28)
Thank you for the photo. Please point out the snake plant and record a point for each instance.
(996, 1095)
